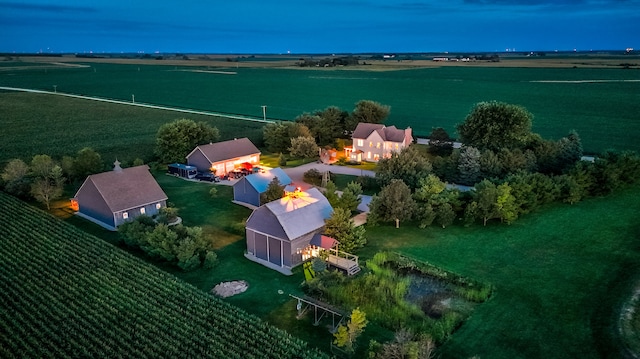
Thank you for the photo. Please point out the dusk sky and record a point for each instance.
(321, 26)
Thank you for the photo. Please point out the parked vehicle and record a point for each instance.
(210, 177)
(182, 170)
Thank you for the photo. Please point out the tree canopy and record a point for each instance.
(277, 136)
(176, 139)
(408, 165)
(369, 111)
(495, 125)
(394, 203)
(303, 147)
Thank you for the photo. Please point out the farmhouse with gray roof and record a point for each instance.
(223, 157)
(249, 188)
(372, 141)
(278, 232)
(112, 198)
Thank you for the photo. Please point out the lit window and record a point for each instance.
(142, 210)
(396, 146)
(360, 143)
(125, 215)
(377, 144)
(158, 205)
(369, 155)
(370, 144)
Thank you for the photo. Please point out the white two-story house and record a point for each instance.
(372, 141)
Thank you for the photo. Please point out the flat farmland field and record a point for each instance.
(57, 125)
(602, 104)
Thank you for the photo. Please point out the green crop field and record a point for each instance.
(601, 104)
(57, 125)
(66, 294)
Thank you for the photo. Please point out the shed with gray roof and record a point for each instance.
(249, 188)
(223, 157)
(279, 231)
(112, 198)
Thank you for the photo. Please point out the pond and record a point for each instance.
(435, 297)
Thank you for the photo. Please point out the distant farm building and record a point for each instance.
(223, 157)
(249, 188)
(279, 232)
(115, 197)
(371, 142)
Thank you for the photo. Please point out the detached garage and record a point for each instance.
(279, 232)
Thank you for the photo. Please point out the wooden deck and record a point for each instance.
(348, 265)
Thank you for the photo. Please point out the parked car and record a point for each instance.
(210, 177)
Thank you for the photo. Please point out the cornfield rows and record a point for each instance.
(66, 294)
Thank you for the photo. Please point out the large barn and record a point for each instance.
(278, 232)
(223, 157)
(249, 188)
(112, 198)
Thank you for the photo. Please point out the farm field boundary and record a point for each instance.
(158, 107)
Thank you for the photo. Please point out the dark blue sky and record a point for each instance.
(278, 26)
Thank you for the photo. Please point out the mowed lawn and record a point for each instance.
(560, 276)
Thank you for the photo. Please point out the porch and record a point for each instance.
(343, 261)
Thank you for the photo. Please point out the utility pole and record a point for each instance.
(55, 88)
(133, 98)
(264, 112)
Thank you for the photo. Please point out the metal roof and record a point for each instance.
(292, 217)
(260, 181)
(226, 150)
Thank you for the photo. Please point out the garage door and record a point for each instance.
(261, 246)
(275, 253)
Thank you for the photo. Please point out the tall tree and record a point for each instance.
(368, 111)
(408, 165)
(15, 178)
(48, 188)
(394, 203)
(346, 336)
(303, 147)
(176, 139)
(330, 192)
(275, 191)
(469, 166)
(277, 136)
(486, 197)
(334, 124)
(87, 162)
(494, 125)
(490, 164)
(445, 215)
(42, 166)
(440, 143)
(350, 199)
(340, 226)
(506, 204)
